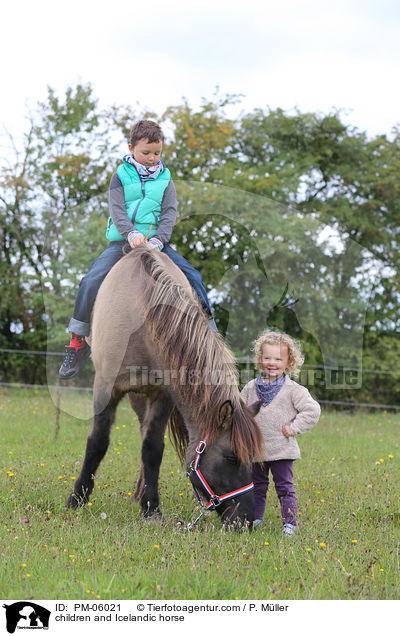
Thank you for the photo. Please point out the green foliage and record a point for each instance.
(48, 195)
(201, 146)
(382, 374)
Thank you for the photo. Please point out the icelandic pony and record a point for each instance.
(151, 339)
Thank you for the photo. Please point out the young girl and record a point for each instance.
(287, 410)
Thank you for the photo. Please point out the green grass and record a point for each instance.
(347, 546)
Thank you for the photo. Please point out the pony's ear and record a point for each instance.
(225, 414)
(255, 407)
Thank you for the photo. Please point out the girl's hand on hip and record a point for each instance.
(286, 431)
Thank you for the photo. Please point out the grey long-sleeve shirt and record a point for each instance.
(120, 217)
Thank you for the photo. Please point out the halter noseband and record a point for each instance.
(215, 500)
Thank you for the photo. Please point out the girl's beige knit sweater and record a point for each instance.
(293, 406)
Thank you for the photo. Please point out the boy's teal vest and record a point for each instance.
(142, 200)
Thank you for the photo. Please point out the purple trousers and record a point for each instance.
(282, 473)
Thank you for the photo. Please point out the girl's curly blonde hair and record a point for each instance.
(270, 336)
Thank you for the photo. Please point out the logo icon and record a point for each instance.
(26, 615)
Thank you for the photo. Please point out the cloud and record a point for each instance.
(314, 54)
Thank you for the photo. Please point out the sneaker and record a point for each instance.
(289, 529)
(256, 522)
(72, 361)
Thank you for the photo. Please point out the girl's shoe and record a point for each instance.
(256, 522)
(288, 529)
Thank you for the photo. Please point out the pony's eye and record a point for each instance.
(232, 459)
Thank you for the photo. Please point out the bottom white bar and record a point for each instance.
(179, 616)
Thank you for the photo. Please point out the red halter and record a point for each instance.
(215, 500)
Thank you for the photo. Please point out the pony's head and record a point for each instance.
(220, 465)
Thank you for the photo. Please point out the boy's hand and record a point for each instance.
(138, 240)
(135, 238)
(286, 431)
(154, 242)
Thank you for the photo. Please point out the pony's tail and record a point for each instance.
(178, 433)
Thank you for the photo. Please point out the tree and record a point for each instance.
(52, 188)
(21, 314)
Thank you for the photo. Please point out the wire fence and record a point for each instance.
(305, 366)
(342, 403)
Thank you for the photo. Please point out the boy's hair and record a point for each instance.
(146, 129)
(273, 337)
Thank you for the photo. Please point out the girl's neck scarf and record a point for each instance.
(266, 391)
(144, 172)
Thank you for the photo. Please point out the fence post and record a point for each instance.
(58, 400)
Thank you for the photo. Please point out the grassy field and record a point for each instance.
(347, 546)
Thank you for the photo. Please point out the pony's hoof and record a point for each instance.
(74, 501)
(152, 515)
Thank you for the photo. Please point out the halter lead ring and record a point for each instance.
(215, 500)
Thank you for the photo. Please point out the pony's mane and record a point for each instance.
(203, 369)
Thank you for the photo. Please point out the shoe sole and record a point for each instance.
(68, 377)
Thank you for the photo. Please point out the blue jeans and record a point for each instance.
(90, 284)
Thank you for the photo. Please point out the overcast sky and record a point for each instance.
(313, 54)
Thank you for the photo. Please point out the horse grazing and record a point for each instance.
(151, 339)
